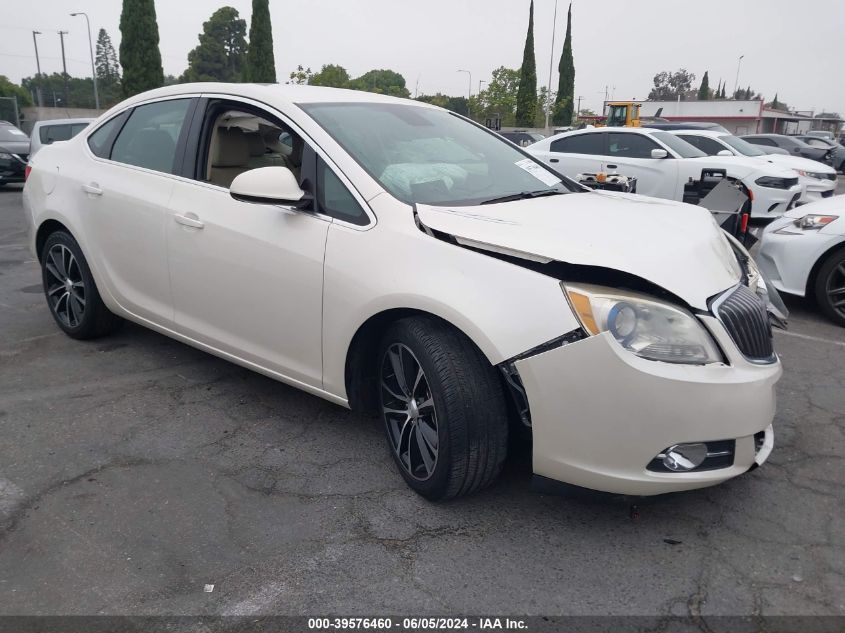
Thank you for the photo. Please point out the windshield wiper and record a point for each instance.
(524, 195)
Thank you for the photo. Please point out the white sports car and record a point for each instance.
(803, 253)
(391, 256)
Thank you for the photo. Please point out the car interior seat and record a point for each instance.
(230, 156)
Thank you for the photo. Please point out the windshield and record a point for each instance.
(9, 133)
(742, 146)
(423, 155)
(677, 145)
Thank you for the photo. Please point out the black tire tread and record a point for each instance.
(473, 401)
(820, 291)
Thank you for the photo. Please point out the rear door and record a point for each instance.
(629, 154)
(575, 154)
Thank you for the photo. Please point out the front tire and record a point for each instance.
(443, 409)
(70, 290)
(830, 287)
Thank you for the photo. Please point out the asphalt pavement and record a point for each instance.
(135, 470)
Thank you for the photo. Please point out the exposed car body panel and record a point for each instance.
(573, 231)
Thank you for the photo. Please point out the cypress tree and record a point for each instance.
(565, 101)
(526, 96)
(139, 53)
(260, 63)
(704, 89)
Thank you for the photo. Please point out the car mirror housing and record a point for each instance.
(725, 152)
(659, 153)
(269, 185)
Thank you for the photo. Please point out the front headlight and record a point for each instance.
(810, 222)
(643, 325)
(773, 182)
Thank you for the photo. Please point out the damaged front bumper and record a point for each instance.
(600, 415)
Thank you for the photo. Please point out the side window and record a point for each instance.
(149, 137)
(706, 145)
(580, 144)
(630, 145)
(76, 128)
(335, 199)
(52, 133)
(761, 141)
(100, 141)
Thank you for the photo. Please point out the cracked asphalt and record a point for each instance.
(134, 470)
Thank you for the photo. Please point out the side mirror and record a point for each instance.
(659, 153)
(269, 185)
(725, 152)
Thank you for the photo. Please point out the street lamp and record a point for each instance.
(91, 51)
(469, 90)
(551, 67)
(736, 83)
(38, 65)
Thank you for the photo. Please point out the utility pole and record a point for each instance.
(551, 68)
(38, 64)
(64, 64)
(578, 111)
(736, 83)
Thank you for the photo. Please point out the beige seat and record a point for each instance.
(230, 156)
(258, 153)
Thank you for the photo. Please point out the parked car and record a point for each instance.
(791, 144)
(402, 260)
(817, 179)
(837, 151)
(48, 132)
(803, 253)
(662, 163)
(676, 127)
(523, 139)
(14, 153)
(821, 134)
(688, 125)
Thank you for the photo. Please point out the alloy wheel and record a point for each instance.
(835, 288)
(64, 285)
(409, 413)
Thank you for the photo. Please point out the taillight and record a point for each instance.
(26, 171)
(743, 228)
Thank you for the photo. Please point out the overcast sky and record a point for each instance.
(792, 48)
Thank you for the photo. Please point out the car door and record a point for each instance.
(125, 192)
(247, 278)
(575, 154)
(629, 154)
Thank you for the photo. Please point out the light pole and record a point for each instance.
(469, 90)
(551, 67)
(738, 64)
(91, 51)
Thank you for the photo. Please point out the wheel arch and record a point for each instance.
(809, 290)
(45, 230)
(361, 363)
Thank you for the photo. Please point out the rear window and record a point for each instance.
(589, 143)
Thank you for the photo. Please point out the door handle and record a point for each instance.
(194, 223)
(613, 166)
(554, 160)
(92, 189)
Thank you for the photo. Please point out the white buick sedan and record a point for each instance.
(391, 256)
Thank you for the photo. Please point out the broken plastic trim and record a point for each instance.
(570, 337)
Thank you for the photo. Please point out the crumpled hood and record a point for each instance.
(677, 246)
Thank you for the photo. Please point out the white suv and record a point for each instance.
(662, 163)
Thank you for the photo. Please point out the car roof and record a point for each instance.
(273, 93)
(700, 132)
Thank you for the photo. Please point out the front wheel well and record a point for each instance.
(361, 362)
(810, 290)
(44, 231)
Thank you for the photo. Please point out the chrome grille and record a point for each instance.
(747, 321)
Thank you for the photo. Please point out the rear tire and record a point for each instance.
(70, 290)
(443, 408)
(829, 287)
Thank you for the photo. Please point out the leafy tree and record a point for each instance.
(139, 53)
(526, 97)
(704, 88)
(584, 112)
(10, 89)
(331, 75)
(668, 86)
(221, 53)
(386, 82)
(545, 99)
(301, 76)
(260, 64)
(746, 94)
(499, 98)
(564, 103)
(170, 80)
(455, 104)
(80, 90)
(106, 63)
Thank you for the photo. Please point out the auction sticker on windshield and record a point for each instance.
(540, 173)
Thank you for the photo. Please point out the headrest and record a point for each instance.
(256, 144)
(232, 149)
